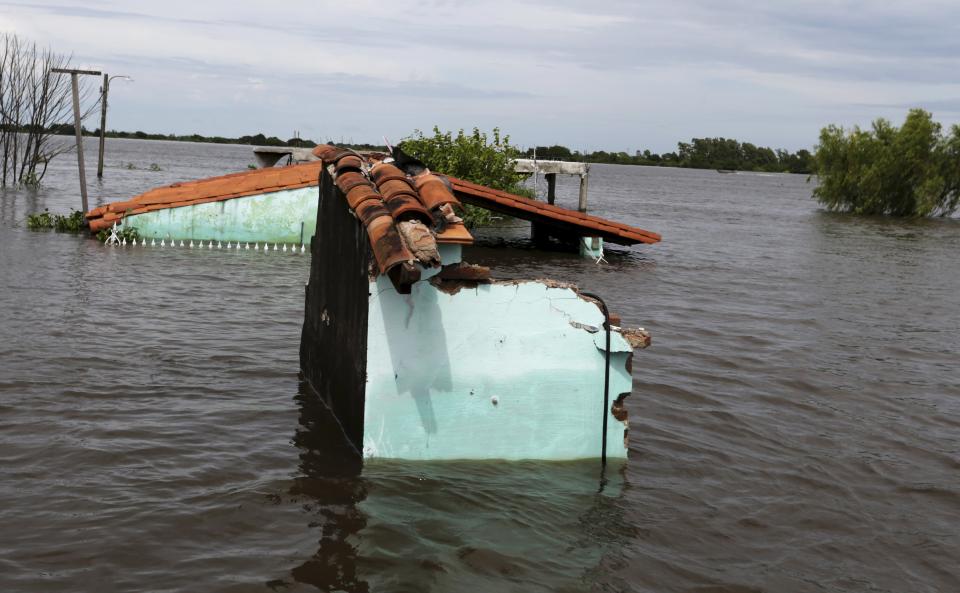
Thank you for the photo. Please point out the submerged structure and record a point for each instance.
(419, 354)
(278, 205)
(424, 356)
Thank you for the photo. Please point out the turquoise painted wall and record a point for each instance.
(501, 371)
(288, 216)
(591, 247)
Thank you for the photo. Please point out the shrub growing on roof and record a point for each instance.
(476, 157)
(913, 170)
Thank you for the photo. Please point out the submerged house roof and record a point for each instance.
(261, 181)
(212, 189)
(572, 221)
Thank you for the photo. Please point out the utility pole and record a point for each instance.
(77, 127)
(103, 121)
(103, 117)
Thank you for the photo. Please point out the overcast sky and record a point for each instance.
(591, 75)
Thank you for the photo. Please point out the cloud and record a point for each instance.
(950, 106)
(616, 75)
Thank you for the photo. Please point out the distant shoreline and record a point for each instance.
(253, 140)
(707, 153)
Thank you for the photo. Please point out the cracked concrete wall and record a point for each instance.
(500, 371)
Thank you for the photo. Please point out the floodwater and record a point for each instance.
(795, 425)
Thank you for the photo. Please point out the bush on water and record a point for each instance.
(913, 170)
(74, 223)
(40, 220)
(70, 223)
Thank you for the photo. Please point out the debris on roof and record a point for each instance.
(404, 216)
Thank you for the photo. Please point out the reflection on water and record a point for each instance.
(330, 487)
(451, 526)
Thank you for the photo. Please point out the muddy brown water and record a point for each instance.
(795, 425)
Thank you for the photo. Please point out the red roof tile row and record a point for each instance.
(528, 209)
(213, 189)
(399, 212)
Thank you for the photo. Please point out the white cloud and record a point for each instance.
(618, 74)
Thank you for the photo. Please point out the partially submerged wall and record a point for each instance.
(490, 371)
(448, 364)
(286, 216)
(333, 345)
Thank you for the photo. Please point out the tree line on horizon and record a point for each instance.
(259, 139)
(699, 153)
(913, 170)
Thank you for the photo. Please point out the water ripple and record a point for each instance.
(794, 427)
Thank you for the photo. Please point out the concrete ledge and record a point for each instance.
(552, 167)
(268, 156)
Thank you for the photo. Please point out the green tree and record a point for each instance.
(555, 152)
(476, 157)
(913, 170)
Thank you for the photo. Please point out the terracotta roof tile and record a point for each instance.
(255, 181)
(97, 212)
(542, 212)
(455, 233)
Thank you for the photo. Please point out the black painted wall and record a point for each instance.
(333, 344)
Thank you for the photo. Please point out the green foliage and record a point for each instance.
(155, 167)
(40, 220)
(474, 216)
(699, 153)
(913, 170)
(301, 142)
(70, 223)
(726, 153)
(30, 179)
(123, 232)
(261, 140)
(61, 129)
(554, 153)
(476, 157)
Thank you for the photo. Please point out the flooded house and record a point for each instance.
(420, 354)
